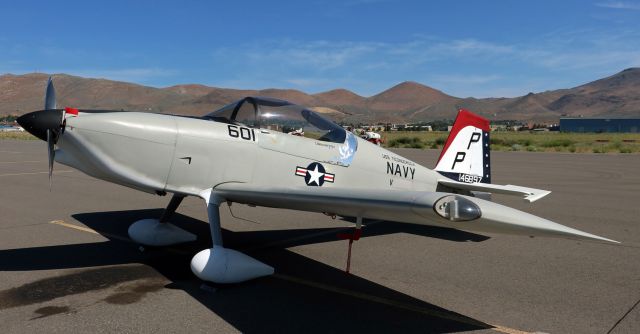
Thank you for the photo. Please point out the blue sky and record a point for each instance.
(464, 48)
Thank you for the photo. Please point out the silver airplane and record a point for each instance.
(272, 153)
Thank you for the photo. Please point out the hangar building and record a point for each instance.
(600, 124)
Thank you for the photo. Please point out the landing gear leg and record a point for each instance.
(355, 236)
(159, 232)
(219, 264)
(174, 203)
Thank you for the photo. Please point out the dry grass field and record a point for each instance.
(17, 135)
(528, 141)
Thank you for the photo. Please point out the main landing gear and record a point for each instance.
(223, 265)
(216, 264)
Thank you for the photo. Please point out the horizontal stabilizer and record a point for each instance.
(529, 194)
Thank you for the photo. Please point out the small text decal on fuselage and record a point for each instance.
(245, 133)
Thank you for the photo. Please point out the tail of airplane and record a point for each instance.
(465, 156)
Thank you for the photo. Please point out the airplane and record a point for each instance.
(273, 153)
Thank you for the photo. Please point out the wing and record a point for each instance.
(407, 206)
(419, 207)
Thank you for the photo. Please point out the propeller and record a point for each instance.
(46, 124)
(49, 104)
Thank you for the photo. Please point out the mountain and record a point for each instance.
(618, 94)
(409, 95)
(614, 96)
(23, 93)
(341, 98)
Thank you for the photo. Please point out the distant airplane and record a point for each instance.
(268, 152)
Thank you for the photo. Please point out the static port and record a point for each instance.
(457, 208)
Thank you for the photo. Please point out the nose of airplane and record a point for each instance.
(38, 122)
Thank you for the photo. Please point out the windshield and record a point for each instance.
(281, 116)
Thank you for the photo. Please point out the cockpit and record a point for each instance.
(279, 115)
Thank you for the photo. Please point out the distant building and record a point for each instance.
(600, 124)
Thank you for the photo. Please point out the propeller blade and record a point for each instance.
(52, 154)
(50, 96)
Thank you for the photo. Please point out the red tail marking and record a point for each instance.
(464, 118)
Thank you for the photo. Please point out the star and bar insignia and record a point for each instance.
(315, 174)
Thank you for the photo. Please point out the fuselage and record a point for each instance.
(165, 153)
(188, 156)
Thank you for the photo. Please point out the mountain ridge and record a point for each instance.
(617, 95)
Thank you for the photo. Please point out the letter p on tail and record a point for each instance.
(465, 156)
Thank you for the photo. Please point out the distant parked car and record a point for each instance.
(9, 128)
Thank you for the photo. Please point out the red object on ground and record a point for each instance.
(357, 233)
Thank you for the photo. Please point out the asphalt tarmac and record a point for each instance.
(67, 265)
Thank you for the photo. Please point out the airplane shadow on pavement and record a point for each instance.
(303, 296)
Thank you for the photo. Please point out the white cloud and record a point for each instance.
(584, 50)
(461, 67)
(465, 79)
(472, 46)
(127, 74)
(363, 2)
(320, 55)
(309, 82)
(571, 61)
(619, 5)
(330, 55)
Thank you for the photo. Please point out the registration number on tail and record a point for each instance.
(468, 178)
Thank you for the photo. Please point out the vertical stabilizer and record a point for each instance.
(465, 156)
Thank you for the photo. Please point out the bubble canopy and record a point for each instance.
(279, 115)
